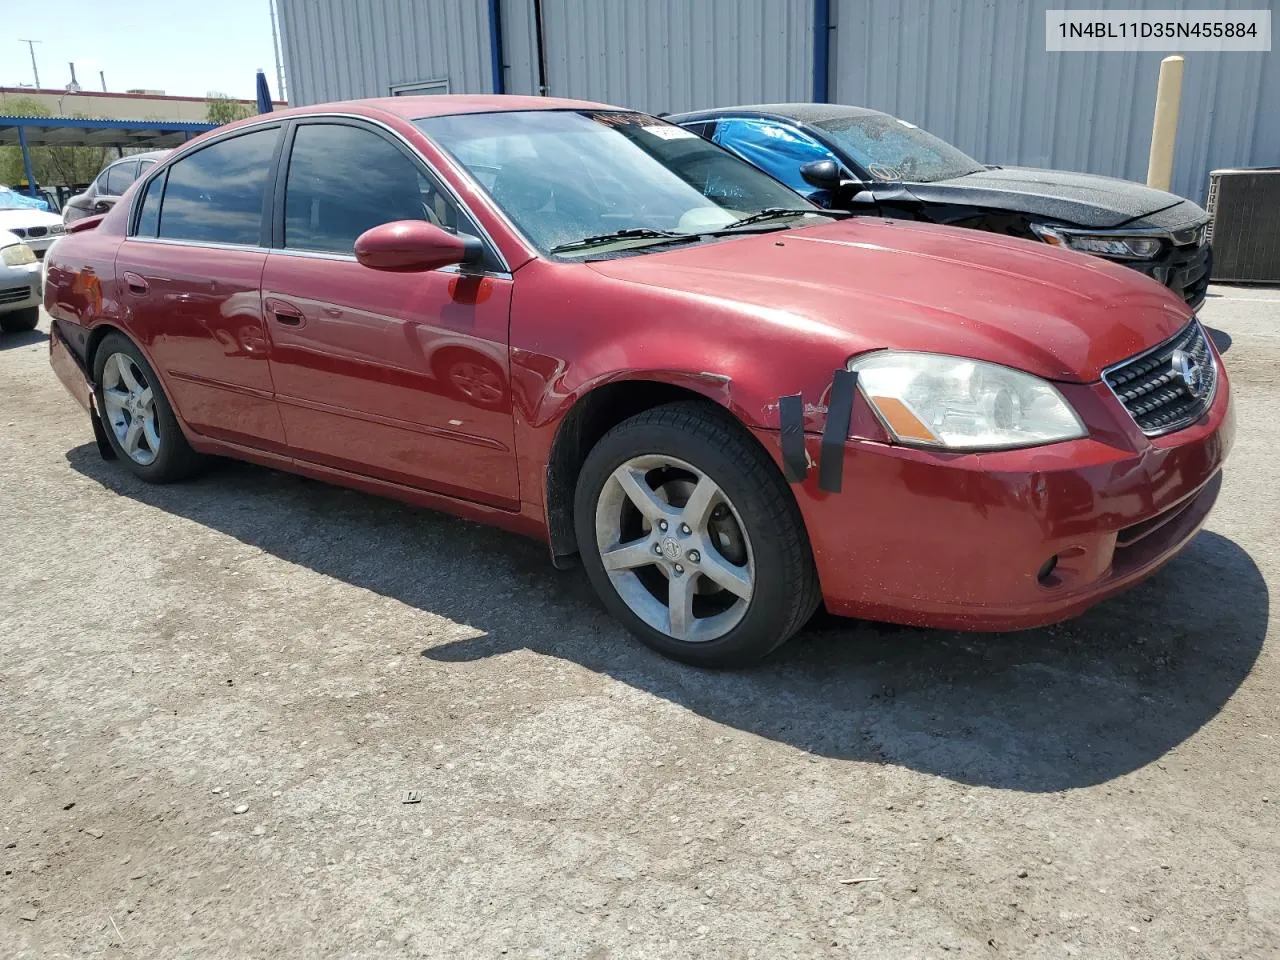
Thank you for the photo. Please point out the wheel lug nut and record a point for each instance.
(694, 556)
(684, 528)
(679, 569)
(657, 548)
(662, 525)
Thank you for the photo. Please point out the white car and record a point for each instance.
(37, 228)
(20, 284)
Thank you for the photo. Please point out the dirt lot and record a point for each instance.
(260, 643)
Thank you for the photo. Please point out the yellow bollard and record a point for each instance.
(1164, 130)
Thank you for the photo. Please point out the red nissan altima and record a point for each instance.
(592, 327)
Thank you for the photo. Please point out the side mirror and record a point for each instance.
(829, 176)
(823, 174)
(414, 246)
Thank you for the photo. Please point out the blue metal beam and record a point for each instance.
(26, 161)
(495, 46)
(821, 49)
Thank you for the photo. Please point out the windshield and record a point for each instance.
(11, 200)
(563, 176)
(892, 149)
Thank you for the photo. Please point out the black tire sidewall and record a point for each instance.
(175, 454)
(766, 623)
(20, 321)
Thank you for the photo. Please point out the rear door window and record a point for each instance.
(119, 177)
(216, 194)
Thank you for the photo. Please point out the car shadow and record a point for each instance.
(9, 341)
(1041, 710)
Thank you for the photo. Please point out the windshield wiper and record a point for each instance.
(776, 213)
(631, 233)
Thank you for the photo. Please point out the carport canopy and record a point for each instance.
(27, 132)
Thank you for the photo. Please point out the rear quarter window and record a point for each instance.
(149, 216)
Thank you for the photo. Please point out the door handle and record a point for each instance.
(285, 313)
(136, 284)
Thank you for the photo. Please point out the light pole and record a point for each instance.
(31, 46)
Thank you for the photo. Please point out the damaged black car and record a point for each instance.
(872, 163)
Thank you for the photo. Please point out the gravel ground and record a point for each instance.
(215, 696)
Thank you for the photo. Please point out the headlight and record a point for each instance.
(1100, 244)
(932, 400)
(17, 255)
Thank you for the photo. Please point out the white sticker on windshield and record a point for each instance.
(905, 124)
(669, 131)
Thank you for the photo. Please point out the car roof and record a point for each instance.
(801, 112)
(418, 108)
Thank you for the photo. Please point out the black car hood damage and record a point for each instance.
(1082, 199)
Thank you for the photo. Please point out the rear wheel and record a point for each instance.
(139, 422)
(20, 321)
(692, 539)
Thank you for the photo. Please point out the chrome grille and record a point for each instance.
(34, 232)
(1170, 386)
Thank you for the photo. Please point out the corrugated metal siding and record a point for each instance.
(343, 50)
(975, 72)
(519, 43)
(672, 55)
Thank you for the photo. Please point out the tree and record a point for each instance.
(52, 166)
(222, 109)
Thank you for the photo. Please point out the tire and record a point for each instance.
(20, 321)
(172, 457)
(753, 539)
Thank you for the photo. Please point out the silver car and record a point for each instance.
(107, 187)
(20, 285)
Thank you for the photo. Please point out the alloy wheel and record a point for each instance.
(674, 548)
(129, 409)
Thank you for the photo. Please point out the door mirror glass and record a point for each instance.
(412, 246)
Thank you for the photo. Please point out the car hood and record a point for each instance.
(1083, 199)
(875, 284)
(27, 217)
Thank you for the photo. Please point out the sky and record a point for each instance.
(183, 47)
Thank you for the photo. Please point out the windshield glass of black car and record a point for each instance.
(568, 176)
(891, 149)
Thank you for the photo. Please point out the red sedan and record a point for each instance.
(592, 327)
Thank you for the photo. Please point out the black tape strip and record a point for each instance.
(836, 432)
(795, 465)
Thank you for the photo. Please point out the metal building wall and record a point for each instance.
(975, 72)
(346, 49)
(672, 55)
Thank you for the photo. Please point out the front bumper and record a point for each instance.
(20, 287)
(40, 245)
(1184, 270)
(962, 541)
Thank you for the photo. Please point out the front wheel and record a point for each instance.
(692, 539)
